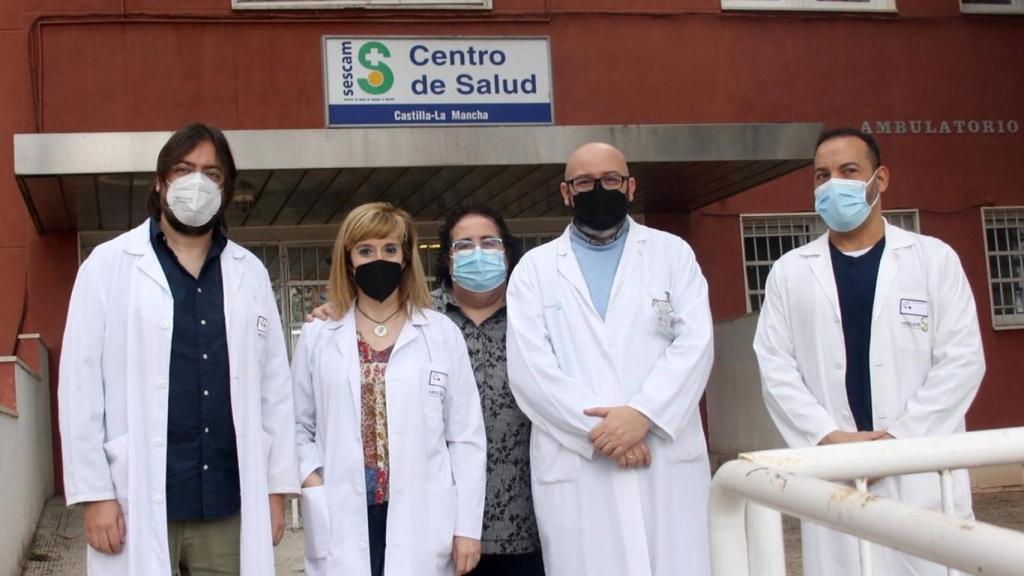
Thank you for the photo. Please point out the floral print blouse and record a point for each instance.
(372, 367)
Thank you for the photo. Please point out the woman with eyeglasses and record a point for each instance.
(389, 429)
(477, 257)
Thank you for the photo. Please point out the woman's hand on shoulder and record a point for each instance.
(322, 312)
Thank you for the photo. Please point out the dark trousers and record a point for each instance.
(529, 564)
(377, 518)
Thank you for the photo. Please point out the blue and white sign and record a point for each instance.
(437, 81)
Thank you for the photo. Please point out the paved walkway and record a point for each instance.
(59, 545)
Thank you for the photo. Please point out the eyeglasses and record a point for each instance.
(491, 244)
(611, 181)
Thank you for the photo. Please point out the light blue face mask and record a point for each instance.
(479, 270)
(843, 204)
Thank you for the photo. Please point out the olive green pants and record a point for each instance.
(205, 548)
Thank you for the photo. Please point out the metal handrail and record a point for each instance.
(748, 494)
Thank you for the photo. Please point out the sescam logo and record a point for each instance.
(380, 78)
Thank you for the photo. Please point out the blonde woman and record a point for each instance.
(390, 435)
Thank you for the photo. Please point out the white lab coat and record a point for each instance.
(436, 444)
(595, 518)
(112, 398)
(926, 366)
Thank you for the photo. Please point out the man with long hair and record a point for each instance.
(175, 396)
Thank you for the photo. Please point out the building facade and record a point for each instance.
(717, 101)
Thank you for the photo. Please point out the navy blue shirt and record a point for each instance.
(202, 457)
(856, 277)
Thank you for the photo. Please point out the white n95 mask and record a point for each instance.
(194, 199)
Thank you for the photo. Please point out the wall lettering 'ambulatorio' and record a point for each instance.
(900, 127)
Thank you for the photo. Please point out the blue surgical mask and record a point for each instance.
(477, 270)
(843, 204)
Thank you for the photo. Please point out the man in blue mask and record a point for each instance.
(868, 333)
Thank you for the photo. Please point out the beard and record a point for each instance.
(183, 228)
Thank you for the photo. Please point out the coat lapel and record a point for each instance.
(140, 246)
(569, 268)
(896, 239)
(344, 331)
(232, 275)
(410, 331)
(820, 261)
(632, 256)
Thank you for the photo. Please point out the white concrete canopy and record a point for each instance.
(99, 181)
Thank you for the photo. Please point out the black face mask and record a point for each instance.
(379, 279)
(600, 209)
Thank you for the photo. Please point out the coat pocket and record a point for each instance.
(682, 452)
(662, 315)
(117, 457)
(315, 521)
(435, 390)
(690, 444)
(913, 330)
(441, 503)
(552, 462)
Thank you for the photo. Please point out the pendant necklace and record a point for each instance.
(380, 329)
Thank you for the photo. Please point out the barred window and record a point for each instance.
(1004, 248)
(307, 271)
(766, 237)
(269, 254)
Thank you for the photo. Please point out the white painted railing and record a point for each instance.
(748, 495)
